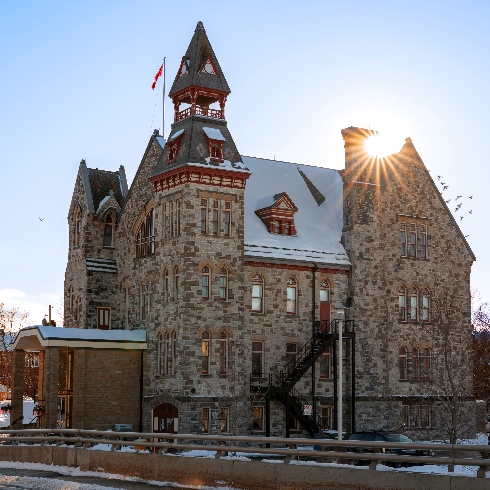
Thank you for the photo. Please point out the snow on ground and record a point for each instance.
(35, 483)
(28, 406)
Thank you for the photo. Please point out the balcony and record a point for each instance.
(200, 111)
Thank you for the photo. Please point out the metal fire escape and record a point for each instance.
(281, 386)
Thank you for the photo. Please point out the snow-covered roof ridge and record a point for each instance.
(318, 226)
(213, 134)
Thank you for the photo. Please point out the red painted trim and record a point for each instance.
(271, 265)
(199, 175)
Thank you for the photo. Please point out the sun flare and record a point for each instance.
(382, 145)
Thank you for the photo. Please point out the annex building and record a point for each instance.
(239, 272)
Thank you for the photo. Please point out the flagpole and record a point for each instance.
(163, 102)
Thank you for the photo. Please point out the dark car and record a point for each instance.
(385, 437)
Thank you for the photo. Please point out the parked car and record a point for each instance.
(368, 436)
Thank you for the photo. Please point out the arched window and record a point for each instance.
(176, 283)
(166, 285)
(108, 231)
(402, 362)
(72, 298)
(425, 355)
(78, 313)
(78, 226)
(402, 304)
(223, 284)
(205, 282)
(174, 352)
(168, 354)
(426, 305)
(258, 294)
(145, 238)
(223, 353)
(291, 296)
(415, 363)
(161, 354)
(206, 337)
(414, 304)
(143, 301)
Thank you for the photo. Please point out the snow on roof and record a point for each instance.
(39, 337)
(161, 140)
(213, 134)
(101, 265)
(175, 135)
(319, 228)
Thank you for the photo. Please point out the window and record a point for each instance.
(164, 224)
(415, 363)
(412, 248)
(291, 296)
(327, 417)
(223, 353)
(227, 218)
(128, 309)
(425, 355)
(292, 422)
(108, 232)
(216, 151)
(204, 216)
(287, 228)
(257, 359)
(161, 354)
(291, 350)
(176, 283)
(223, 284)
(145, 238)
(406, 415)
(402, 304)
(143, 301)
(258, 418)
(168, 354)
(215, 217)
(166, 285)
(206, 337)
(277, 227)
(326, 364)
(206, 415)
(172, 152)
(402, 362)
(403, 239)
(178, 217)
(205, 282)
(103, 318)
(414, 305)
(172, 219)
(416, 416)
(423, 241)
(78, 226)
(72, 298)
(78, 311)
(257, 294)
(324, 291)
(425, 305)
(428, 416)
(223, 419)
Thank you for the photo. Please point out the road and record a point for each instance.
(49, 480)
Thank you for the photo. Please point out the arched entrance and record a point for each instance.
(166, 418)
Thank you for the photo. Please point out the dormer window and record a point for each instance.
(173, 145)
(277, 213)
(215, 144)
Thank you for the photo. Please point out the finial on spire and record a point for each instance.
(200, 26)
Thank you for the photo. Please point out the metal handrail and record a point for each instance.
(284, 446)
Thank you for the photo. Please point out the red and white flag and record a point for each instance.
(157, 76)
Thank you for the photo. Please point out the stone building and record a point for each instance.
(242, 271)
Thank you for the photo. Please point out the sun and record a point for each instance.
(382, 145)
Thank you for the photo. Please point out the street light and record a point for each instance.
(340, 318)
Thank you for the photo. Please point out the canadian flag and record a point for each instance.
(157, 76)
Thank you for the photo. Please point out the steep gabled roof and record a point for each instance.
(197, 55)
(101, 183)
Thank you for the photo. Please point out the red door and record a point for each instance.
(103, 318)
(166, 418)
(325, 316)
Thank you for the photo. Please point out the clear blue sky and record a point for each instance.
(76, 76)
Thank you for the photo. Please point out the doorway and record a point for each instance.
(166, 418)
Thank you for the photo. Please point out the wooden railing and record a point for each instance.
(200, 111)
(339, 451)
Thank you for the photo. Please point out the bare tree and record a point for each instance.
(448, 374)
(480, 320)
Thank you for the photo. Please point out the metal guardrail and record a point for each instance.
(276, 446)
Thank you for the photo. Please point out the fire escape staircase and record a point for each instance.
(281, 386)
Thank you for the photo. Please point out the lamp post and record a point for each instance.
(340, 318)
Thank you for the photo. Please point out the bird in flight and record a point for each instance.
(461, 218)
(449, 200)
(471, 212)
(445, 187)
(471, 197)
(439, 177)
(41, 219)
(457, 197)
